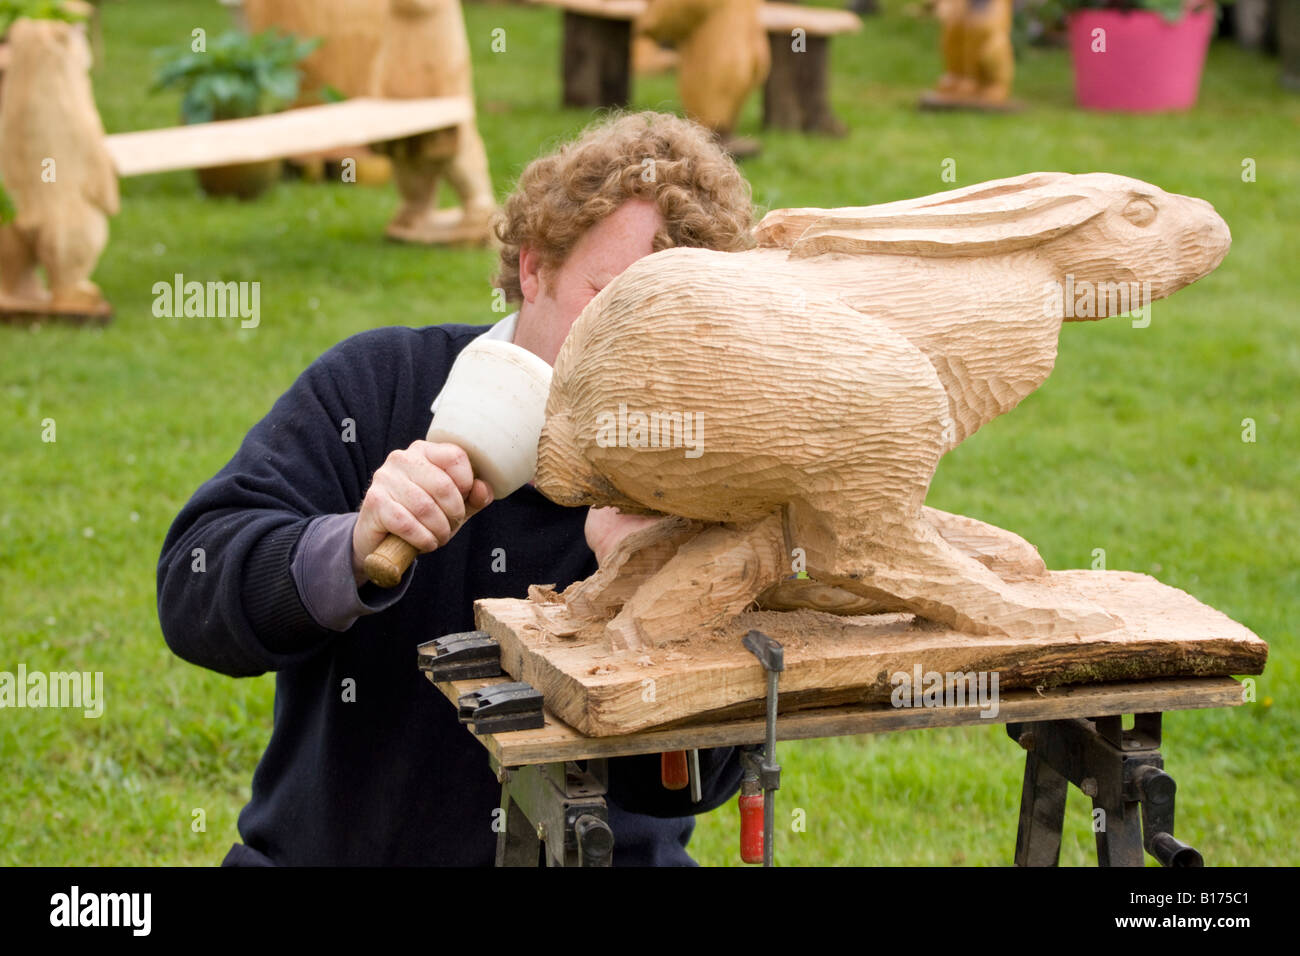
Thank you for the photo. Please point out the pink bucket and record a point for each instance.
(1149, 64)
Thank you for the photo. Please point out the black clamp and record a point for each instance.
(501, 707)
(460, 656)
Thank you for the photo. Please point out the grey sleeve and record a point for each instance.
(322, 570)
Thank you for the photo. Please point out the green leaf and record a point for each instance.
(239, 75)
(7, 210)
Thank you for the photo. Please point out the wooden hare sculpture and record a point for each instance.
(978, 59)
(57, 171)
(789, 404)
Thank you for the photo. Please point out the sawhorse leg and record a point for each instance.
(559, 805)
(1042, 814)
(1121, 770)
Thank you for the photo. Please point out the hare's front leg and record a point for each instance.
(637, 557)
(712, 578)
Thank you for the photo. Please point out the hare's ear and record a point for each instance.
(998, 216)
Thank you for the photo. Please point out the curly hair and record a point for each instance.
(678, 165)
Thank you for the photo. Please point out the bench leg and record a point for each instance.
(596, 61)
(797, 94)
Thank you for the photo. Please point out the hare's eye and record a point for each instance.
(1140, 212)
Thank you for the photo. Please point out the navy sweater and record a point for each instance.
(391, 777)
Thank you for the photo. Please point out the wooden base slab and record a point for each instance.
(941, 101)
(18, 312)
(834, 661)
(446, 227)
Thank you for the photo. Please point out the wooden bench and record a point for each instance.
(275, 136)
(596, 62)
(278, 135)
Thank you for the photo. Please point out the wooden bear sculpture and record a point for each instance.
(978, 59)
(425, 52)
(349, 31)
(795, 400)
(403, 49)
(724, 57)
(57, 171)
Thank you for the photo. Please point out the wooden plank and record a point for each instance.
(604, 9)
(313, 128)
(836, 660)
(558, 741)
(817, 21)
(777, 17)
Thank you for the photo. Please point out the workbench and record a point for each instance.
(553, 778)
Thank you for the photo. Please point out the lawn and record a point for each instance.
(1135, 445)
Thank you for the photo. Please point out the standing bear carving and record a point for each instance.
(401, 49)
(425, 52)
(796, 399)
(57, 171)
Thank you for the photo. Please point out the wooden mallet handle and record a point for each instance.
(387, 563)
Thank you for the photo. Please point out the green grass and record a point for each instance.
(1134, 445)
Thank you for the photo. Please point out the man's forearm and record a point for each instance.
(323, 572)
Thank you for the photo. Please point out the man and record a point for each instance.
(367, 764)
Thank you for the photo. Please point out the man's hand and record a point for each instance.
(422, 494)
(606, 527)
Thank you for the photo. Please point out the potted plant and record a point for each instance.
(238, 75)
(1136, 55)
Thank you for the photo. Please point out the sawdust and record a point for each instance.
(544, 594)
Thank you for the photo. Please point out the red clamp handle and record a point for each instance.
(674, 771)
(751, 828)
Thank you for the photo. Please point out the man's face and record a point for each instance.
(553, 300)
